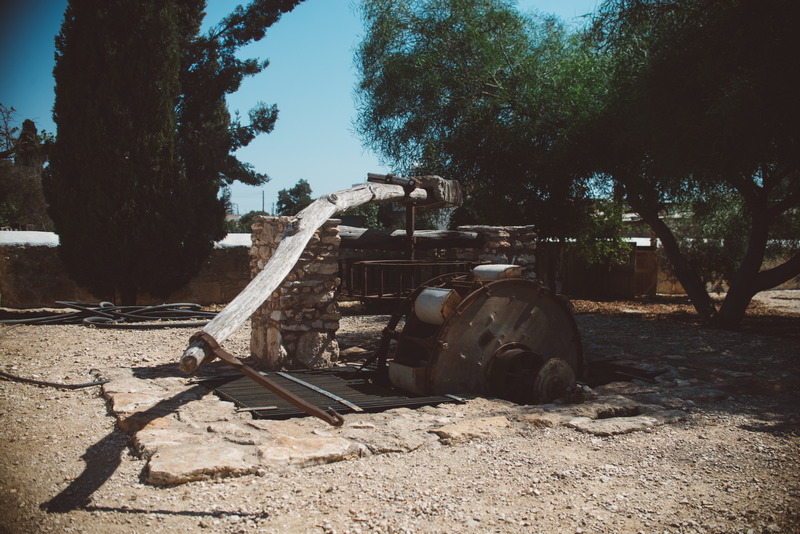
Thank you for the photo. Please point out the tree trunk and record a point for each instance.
(561, 266)
(740, 293)
(546, 263)
(742, 287)
(688, 278)
(733, 308)
(128, 294)
(777, 275)
(749, 278)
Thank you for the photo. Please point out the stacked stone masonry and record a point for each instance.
(296, 327)
(505, 245)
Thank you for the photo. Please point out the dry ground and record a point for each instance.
(732, 465)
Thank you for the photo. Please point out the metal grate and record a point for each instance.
(347, 383)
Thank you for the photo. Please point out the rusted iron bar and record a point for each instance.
(410, 239)
(331, 417)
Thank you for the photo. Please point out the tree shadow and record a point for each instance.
(169, 370)
(781, 428)
(104, 457)
(184, 513)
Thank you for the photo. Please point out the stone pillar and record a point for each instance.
(505, 244)
(296, 327)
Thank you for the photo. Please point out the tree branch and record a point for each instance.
(791, 200)
(777, 275)
(686, 275)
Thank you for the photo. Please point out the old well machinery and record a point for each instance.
(488, 332)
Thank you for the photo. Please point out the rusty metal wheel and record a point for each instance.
(555, 380)
(504, 312)
(512, 372)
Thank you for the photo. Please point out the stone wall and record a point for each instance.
(223, 276)
(502, 244)
(505, 245)
(296, 327)
(32, 275)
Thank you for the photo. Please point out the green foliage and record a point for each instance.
(370, 214)
(700, 110)
(660, 102)
(713, 234)
(7, 211)
(115, 187)
(294, 200)
(473, 90)
(28, 147)
(143, 152)
(387, 217)
(426, 220)
(21, 195)
(210, 70)
(468, 214)
(8, 132)
(603, 241)
(242, 226)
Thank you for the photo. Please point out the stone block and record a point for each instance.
(205, 411)
(177, 465)
(540, 420)
(493, 258)
(297, 327)
(286, 451)
(149, 440)
(317, 349)
(612, 425)
(135, 402)
(473, 428)
(525, 259)
(328, 268)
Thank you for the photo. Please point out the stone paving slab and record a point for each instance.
(187, 433)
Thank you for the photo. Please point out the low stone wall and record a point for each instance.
(296, 327)
(505, 245)
(33, 276)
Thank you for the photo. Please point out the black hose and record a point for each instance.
(108, 315)
(52, 384)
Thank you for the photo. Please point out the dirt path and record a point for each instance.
(732, 464)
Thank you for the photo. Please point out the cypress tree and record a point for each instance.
(137, 178)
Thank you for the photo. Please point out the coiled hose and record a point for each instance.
(109, 315)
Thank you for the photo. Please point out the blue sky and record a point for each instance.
(311, 78)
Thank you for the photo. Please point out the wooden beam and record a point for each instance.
(365, 238)
(298, 234)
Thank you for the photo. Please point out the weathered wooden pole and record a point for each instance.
(411, 214)
(431, 190)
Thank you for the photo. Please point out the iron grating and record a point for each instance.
(349, 384)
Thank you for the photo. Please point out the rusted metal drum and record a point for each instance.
(497, 272)
(498, 341)
(436, 304)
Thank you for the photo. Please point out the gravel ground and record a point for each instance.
(731, 466)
